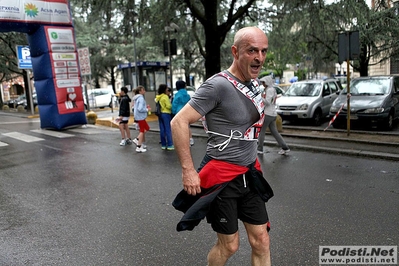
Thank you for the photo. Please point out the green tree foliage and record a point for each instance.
(313, 26)
(8, 57)
(301, 32)
(98, 27)
(8, 54)
(102, 25)
(218, 18)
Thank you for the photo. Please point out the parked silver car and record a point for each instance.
(374, 102)
(308, 100)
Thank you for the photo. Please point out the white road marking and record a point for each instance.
(90, 131)
(22, 137)
(2, 144)
(53, 133)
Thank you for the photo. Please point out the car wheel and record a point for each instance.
(338, 125)
(317, 117)
(389, 122)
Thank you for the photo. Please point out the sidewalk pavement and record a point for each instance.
(383, 145)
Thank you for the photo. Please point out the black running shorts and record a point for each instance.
(236, 201)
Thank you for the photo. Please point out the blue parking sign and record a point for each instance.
(24, 59)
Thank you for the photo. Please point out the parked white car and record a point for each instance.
(101, 97)
(190, 90)
(308, 100)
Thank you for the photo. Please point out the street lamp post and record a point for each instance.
(135, 59)
(172, 27)
(134, 50)
(170, 61)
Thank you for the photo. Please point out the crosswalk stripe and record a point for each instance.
(22, 137)
(53, 133)
(91, 131)
(2, 144)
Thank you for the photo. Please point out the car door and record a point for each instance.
(334, 89)
(102, 98)
(396, 96)
(326, 99)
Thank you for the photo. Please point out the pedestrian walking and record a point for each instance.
(140, 114)
(229, 185)
(165, 117)
(180, 99)
(124, 116)
(270, 96)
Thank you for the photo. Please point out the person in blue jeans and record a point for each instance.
(166, 116)
(180, 100)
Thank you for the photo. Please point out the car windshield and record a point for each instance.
(21, 97)
(304, 89)
(369, 87)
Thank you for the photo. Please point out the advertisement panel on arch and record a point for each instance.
(52, 12)
(65, 69)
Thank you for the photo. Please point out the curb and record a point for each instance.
(358, 153)
(108, 121)
(350, 152)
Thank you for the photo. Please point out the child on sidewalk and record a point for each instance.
(124, 115)
(140, 114)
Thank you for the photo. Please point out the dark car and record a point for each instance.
(25, 103)
(15, 102)
(374, 102)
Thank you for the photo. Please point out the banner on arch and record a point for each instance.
(52, 12)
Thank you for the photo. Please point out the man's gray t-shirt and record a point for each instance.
(226, 110)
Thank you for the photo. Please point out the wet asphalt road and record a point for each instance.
(84, 200)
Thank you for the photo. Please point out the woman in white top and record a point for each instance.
(270, 96)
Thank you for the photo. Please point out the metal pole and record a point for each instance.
(32, 109)
(135, 58)
(86, 94)
(348, 122)
(170, 61)
(112, 103)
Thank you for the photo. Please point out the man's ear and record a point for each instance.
(234, 51)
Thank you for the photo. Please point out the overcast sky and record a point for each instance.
(332, 1)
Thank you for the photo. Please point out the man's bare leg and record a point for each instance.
(225, 247)
(258, 238)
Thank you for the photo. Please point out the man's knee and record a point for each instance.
(229, 246)
(260, 243)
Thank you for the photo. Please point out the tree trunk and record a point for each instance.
(212, 56)
(364, 60)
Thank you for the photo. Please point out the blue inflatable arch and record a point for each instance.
(55, 64)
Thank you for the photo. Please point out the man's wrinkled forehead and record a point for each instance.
(250, 34)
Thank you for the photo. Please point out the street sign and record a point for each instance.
(84, 61)
(348, 46)
(23, 55)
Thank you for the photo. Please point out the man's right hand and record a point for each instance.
(191, 182)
